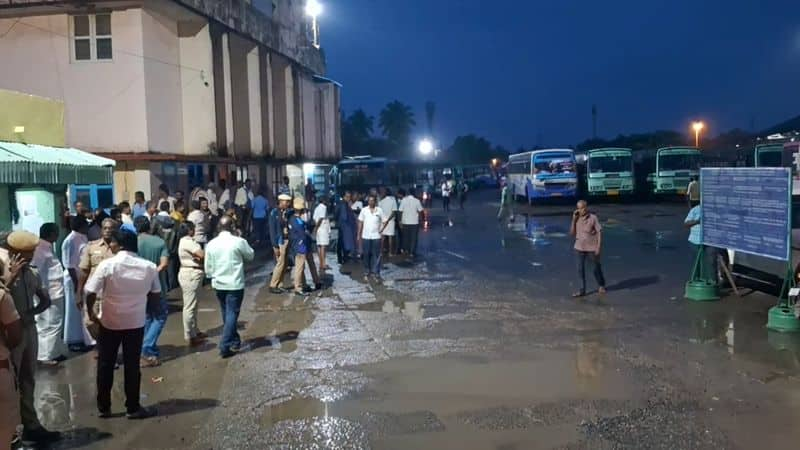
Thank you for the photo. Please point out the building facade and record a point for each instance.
(181, 92)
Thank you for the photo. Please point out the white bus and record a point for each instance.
(542, 174)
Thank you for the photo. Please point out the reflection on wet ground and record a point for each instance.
(476, 344)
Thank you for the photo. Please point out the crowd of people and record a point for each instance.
(107, 291)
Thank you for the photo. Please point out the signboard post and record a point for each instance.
(749, 210)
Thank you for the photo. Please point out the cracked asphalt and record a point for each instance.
(476, 345)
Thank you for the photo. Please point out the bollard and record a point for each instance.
(701, 287)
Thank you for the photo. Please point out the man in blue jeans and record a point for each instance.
(226, 256)
(152, 248)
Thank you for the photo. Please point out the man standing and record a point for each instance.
(300, 243)
(346, 225)
(191, 278)
(25, 285)
(130, 286)
(10, 337)
(310, 192)
(279, 235)
(463, 188)
(139, 205)
(588, 242)
(260, 208)
(410, 209)
(506, 212)
(153, 249)
(93, 254)
(244, 202)
(694, 222)
(693, 192)
(201, 221)
(50, 323)
(163, 196)
(322, 229)
(224, 201)
(125, 212)
(389, 207)
(371, 222)
(284, 187)
(225, 258)
(446, 195)
(76, 336)
(211, 196)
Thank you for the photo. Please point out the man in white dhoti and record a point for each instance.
(76, 336)
(50, 323)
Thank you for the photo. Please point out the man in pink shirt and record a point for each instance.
(588, 241)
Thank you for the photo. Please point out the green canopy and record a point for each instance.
(41, 164)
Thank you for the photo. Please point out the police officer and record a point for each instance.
(10, 337)
(93, 254)
(279, 235)
(24, 284)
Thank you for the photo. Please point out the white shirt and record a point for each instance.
(226, 255)
(242, 197)
(357, 205)
(201, 225)
(224, 199)
(127, 219)
(211, 196)
(320, 212)
(50, 271)
(445, 189)
(388, 205)
(124, 280)
(410, 207)
(373, 220)
(71, 249)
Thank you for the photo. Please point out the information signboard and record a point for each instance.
(747, 210)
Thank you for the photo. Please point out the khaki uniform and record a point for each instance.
(92, 255)
(9, 397)
(23, 291)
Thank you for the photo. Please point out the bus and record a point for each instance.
(363, 173)
(768, 155)
(675, 167)
(609, 172)
(540, 174)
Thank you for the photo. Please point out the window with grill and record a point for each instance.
(91, 37)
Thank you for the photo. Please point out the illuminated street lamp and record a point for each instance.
(425, 147)
(313, 10)
(697, 127)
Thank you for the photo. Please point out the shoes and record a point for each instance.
(142, 413)
(80, 348)
(195, 341)
(377, 278)
(201, 335)
(149, 361)
(226, 355)
(301, 294)
(318, 287)
(49, 362)
(276, 291)
(307, 289)
(104, 414)
(40, 435)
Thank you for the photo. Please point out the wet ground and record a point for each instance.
(476, 345)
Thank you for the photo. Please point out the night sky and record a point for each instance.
(523, 72)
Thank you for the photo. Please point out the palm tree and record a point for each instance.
(361, 125)
(396, 120)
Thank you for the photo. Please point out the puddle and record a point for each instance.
(295, 409)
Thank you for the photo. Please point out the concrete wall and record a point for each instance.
(283, 112)
(240, 103)
(162, 83)
(197, 88)
(310, 110)
(104, 100)
(254, 99)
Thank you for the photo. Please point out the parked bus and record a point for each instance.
(675, 167)
(609, 172)
(768, 155)
(363, 173)
(759, 272)
(543, 174)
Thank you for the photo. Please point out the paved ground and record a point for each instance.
(476, 345)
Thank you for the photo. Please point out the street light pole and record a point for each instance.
(697, 127)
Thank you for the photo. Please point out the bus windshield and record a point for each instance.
(372, 174)
(553, 163)
(769, 158)
(610, 164)
(685, 161)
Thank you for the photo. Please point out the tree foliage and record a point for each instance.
(396, 120)
(472, 149)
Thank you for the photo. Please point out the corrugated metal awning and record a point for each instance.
(41, 164)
